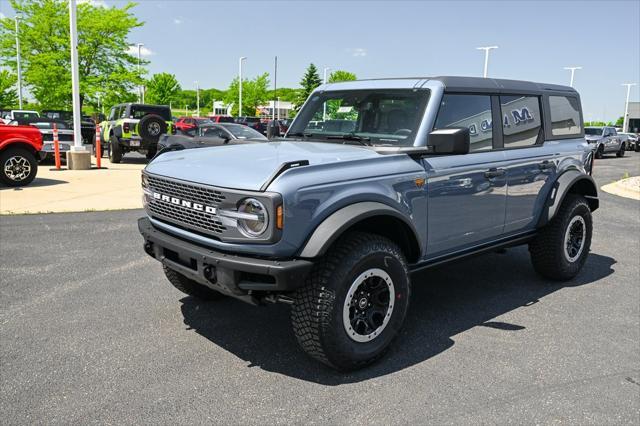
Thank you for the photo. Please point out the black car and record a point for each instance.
(210, 134)
(87, 125)
(254, 122)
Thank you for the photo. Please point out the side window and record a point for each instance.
(472, 111)
(606, 132)
(112, 113)
(613, 131)
(565, 115)
(521, 120)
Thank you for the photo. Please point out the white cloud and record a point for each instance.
(177, 21)
(95, 3)
(133, 50)
(357, 51)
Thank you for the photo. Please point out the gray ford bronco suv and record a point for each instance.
(375, 180)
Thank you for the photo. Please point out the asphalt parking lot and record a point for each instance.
(91, 332)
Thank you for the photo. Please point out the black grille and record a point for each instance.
(48, 137)
(185, 216)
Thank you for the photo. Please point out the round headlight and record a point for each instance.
(254, 218)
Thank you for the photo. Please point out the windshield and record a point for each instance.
(377, 117)
(596, 131)
(17, 115)
(243, 132)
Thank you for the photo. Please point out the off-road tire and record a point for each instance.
(547, 249)
(115, 150)
(21, 155)
(190, 287)
(621, 151)
(151, 127)
(317, 312)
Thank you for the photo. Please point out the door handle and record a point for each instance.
(546, 165)
(493, 173)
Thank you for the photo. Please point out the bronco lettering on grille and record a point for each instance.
(184, 203)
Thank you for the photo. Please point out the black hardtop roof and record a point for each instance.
(133, 104)
(453, 83)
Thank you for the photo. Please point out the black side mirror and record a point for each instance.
(453, 140)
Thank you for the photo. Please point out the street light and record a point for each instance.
(18, 62)
(486, 57)
(140, 93)
(625, 121)
(75, 79)
(324, 106)
(197, 99)
(242, 58)
(573, 72)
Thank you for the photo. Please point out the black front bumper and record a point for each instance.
(230, 274)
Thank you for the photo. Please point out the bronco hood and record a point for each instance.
(249, 166)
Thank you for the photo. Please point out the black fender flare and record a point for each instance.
(339, 221)
(570, 181)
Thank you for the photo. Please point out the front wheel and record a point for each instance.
(353, 303)
(19, 167)
(562, 246)
(622, 150)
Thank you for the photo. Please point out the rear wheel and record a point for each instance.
(190, 287)
(115, 150)
(353, 303)
(622, 150)
(562, 246)
(19, 166)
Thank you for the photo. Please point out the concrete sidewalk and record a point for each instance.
(114, 187)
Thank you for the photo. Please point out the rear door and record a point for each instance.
(467, 193)
(531, 165)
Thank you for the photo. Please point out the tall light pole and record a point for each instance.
(486, 58)
(625, 122)
(324, 81)
(242, 58)
(197, 99)
(18, 61)
(573, 73)
(275, 87)
(75, 79)
(140, 95)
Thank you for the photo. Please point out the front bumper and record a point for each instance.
(238, 276)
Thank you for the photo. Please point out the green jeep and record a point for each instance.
(135, 127)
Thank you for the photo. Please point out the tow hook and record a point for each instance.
(210, 273)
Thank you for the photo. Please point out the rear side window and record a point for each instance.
(565, 115)
(472, 111)
(521, 120)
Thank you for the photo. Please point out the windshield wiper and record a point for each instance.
(362, 140)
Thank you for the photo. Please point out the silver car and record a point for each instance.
(604, 140)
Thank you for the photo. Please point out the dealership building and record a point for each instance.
(634, 117)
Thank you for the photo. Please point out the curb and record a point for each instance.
(628, 188)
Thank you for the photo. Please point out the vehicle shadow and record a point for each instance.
(446, 301)
(37, 182)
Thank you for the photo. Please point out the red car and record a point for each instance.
(222, 119)
(185, 123)
(19, 147)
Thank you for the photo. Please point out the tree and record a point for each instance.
(8, 89)
(309, 82)
(620, 122)
(254, 94)
(340, 75)
(162, 89)
(106, 68)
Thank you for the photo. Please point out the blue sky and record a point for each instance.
(202, 40)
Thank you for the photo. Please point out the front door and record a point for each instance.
(467, 193)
